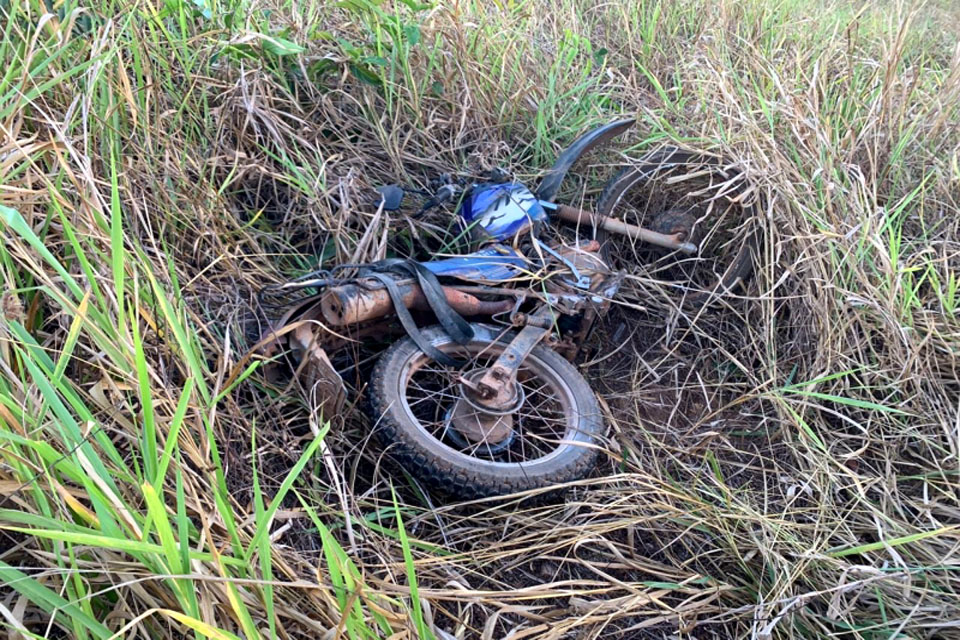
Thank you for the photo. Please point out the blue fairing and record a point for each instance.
(501, 211)
(496, 263)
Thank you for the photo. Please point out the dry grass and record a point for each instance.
(783, 466)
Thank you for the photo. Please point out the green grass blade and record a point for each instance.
(263, 526)
(49, 601)
(416, 610)
(894, 542)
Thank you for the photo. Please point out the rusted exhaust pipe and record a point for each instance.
(351, 304)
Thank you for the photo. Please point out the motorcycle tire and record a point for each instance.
(673, 182)
(555, 433)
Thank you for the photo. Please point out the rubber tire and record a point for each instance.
(633, 176)
(444, 469)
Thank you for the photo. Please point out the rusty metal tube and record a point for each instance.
(580, 216)
(351, 304)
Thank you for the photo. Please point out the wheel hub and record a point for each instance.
(489, 448)
(486, 420)
(675, 222)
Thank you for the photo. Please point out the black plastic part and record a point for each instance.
(392, 196)
(498, 175)
(551, 183)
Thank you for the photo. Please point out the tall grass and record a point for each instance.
(786, 465)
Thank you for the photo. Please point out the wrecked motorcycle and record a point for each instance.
(487, 401)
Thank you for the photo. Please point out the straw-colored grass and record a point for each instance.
(784, 465)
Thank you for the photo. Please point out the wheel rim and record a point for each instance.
(675, 192)
(543, 425)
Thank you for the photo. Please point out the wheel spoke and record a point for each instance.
(531, 440)
(539, 425)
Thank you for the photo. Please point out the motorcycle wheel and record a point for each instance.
(671, 190)
(554, 435)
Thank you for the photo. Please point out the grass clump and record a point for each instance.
(783, 466)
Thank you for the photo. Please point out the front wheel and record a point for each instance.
(554, 431)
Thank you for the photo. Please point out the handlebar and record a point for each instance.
(441, 195)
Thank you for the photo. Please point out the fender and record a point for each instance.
(551, 183)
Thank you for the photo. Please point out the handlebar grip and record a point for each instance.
(444, 193)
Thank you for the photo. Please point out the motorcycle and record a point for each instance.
(487, 401)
